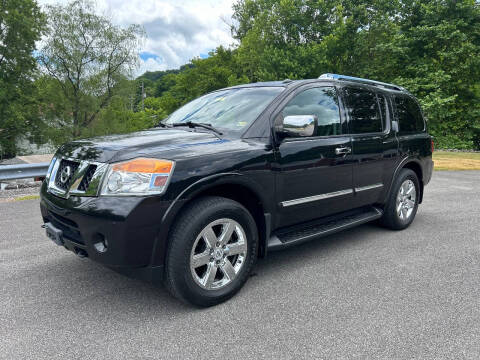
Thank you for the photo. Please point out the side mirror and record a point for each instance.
(298, 126)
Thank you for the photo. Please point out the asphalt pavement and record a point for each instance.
(367, 293)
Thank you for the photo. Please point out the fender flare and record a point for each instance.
(211, 181)
(201, 185)
(402, 163)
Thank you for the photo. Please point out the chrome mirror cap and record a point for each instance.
(299, 125)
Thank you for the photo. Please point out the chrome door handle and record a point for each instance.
(343, 150)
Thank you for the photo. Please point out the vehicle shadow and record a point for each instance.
(106, 290)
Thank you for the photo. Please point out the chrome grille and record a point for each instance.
(83, 178)
(65, 172)
(87, 178)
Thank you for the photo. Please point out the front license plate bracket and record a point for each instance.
(54, 234)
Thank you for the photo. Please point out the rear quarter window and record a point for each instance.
(409, 115)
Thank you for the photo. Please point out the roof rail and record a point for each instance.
(361, 80)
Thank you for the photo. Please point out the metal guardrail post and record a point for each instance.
(23, 171)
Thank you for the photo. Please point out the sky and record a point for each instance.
(177, 31)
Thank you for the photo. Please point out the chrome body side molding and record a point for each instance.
(316, 197)
(368, 187)
(328, 195)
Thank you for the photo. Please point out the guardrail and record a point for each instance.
(23, 171)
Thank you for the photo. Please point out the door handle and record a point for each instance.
(343, 150)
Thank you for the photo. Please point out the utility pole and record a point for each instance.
(143, 97)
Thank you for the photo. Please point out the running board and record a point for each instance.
(315, 229)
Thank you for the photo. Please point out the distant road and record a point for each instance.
(368, 293)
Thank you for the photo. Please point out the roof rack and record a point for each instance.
(361, 80)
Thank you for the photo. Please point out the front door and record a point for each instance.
(314, 174)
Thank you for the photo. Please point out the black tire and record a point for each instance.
(179, 279)
(391, 219)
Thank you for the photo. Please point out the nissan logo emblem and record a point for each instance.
(65, 174)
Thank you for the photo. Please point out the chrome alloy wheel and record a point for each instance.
(218, 254)
(406, 198)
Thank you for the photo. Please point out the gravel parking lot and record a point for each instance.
(367, 293)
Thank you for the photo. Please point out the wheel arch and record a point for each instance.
(414, 165)
(417, 169)
(237, 187)
(249, 199)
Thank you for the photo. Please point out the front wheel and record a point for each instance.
(212, 249)
(402, 204)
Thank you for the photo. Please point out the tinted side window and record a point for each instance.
(323, 103)
(410, 118)
(362, 107)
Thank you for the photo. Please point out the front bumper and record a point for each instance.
(131, 227)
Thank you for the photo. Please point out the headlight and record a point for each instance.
(140, 176)
(50, 168)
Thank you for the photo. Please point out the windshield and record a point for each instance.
(231, 110)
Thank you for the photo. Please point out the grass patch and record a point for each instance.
(27, 197)
(449, 160)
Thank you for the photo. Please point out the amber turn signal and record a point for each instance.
(144, 165)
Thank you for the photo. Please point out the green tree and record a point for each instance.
(118, 118)
(21, 25)
(431, 47)
(435, 54)
(201, 76)
(89, 57)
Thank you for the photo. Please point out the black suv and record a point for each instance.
(237, 173)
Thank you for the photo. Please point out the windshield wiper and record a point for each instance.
(161, 124)
(192, 124)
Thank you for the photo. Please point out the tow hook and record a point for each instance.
(81, 253)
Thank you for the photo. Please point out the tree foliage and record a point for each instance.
(89, 57)
(430, 47)
(21, 24)
(219, 70)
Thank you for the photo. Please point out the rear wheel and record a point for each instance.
(402, 204)
(212, 249)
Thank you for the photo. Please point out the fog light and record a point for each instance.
(101, 243)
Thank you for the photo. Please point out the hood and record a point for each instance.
(154, 143)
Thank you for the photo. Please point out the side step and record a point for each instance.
(319, 228)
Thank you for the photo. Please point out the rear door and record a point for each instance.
(374, 145)
(313, 174)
